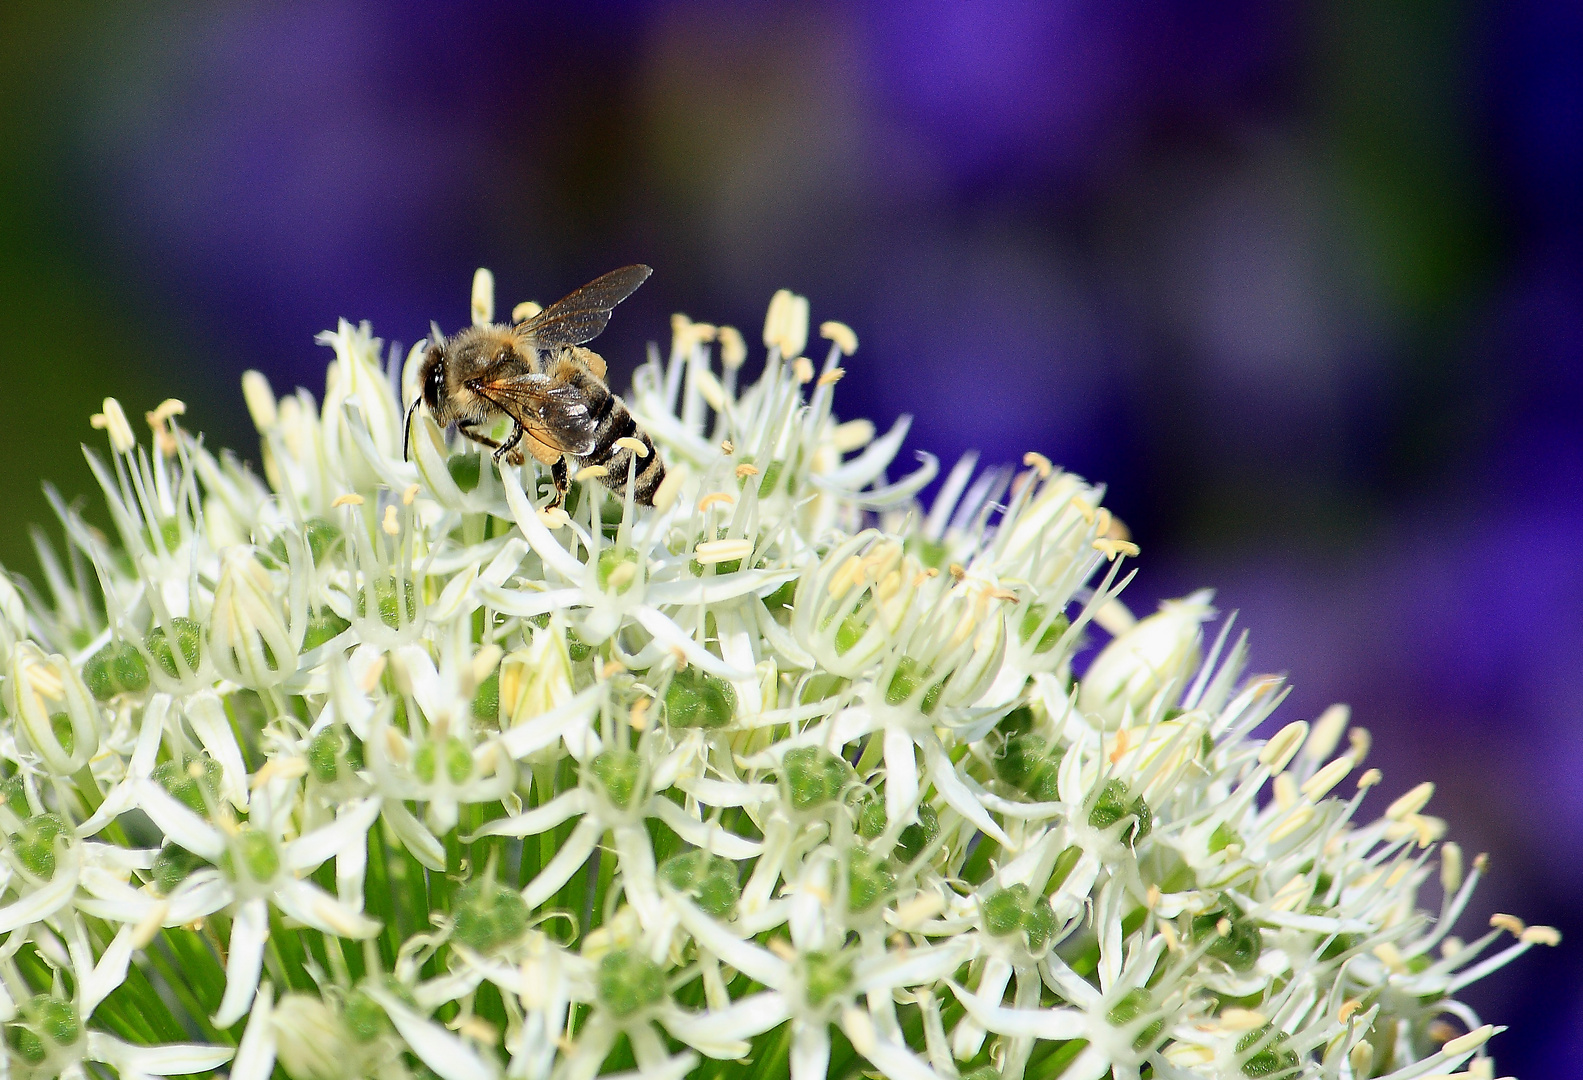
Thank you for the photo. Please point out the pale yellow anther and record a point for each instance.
(1316, 787)
(1295, 819)
(745, 470)
(283, 768)
(483, 305)
(703, 332)
(1360, 741)
(164, 411)
(889, 585)
(786, 323)
(727, 447)
(627, 442)
(713, 393)
(1451, 868)
(591, 472)
(484, 661)
(395, 745)
(1540, 935)
(1412, 802)
(1362, 1058)
(1168, 934)
(622, 576)
(1326, 733)
(638, 717)
(149, 925)
(1285, 791)
(1471, 1041)
(554, 517)
(371, 675)
(611, 668)
(733, 350)
(846, 575)
(831, 377)
(719, 551)
(1151, 899)
(1223, 927)
(1389, 955)
(1369, 779)
(525, 311)
(408, 495)
(260, 400)
(802, 370)
(997, 593)
(1081, 505)
(840, 335)
(1427, 828)
(1348, 1007)
(956, 571)
(852, 435)
(1278, 752)
(680, 656)
(782, 948)
(1038, 462)
(1112, 549)
(391, 523)
(1481, 862)
(1398, 875)
(1509, 923)
(113, 421)
(715, 498)
(669, 488)
(351, 498)
(1242, 1019)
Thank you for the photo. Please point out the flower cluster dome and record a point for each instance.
(377, 767)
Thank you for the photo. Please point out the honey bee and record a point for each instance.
(538, 374)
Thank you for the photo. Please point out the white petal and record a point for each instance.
(942, 773)
(207, 716)
(743, 1019)
(309, 904)
(43, 901)
(704, 834)
(573, 853)
(437, 1048)
(894, 1061)
(668, 634)
(539, 539)
(674, 1068)
(109, 972)
(746, 956)
(810, 1052)
(415, 837)
(170, 1059)
(350, 828)
(179, 824)
(549, 728)
(255, 1056)
(1052, 1023)
(916, 966)
(901, 776)
(249, 930)
(538, 820)
(203, 892)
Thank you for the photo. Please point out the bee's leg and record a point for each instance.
(562, 480)
(509, 446)
(478, 437)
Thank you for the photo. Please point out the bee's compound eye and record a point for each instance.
(435, 382)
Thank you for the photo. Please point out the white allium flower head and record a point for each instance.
(378, 767)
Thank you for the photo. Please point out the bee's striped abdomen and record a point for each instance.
(615, 423)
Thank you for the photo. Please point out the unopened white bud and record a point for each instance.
(483, 305)
(1133, 668)
(311, 1042)
(54, 707)
(251, 645)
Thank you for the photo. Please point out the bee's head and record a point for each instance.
(431, 378)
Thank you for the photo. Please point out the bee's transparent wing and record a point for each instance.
(556, 413)
(582, 316)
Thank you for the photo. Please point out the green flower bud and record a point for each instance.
(711, 880)
(1136, 1002)
(488, 915)
(1223, 837)
(1240, 947)
(1022, 759)
(576, 648)
(620, 773)
(822, 687)
(1003, 910)
(1271, 1058)
(188, 636)
(323, 625)
(628, 981)
(194, 783)
(617, 569)
(251, 852)
(1113, 804)
(1019, 721)
(1038, 924)
(172, 866)
(919, 835)
(851, 631)
(364, 1017)
(813, 776)
(909, 678)
(871, 819)
(465, 469)
(697, 699)
(983, 1072)
(868, 882)
(333, 753)
(390, 613)
(824, 975)
(35, 844)
(486, 700)
(1034, 615)
(321, 536)
(118, 668)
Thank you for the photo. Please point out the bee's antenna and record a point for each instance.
(406, 429)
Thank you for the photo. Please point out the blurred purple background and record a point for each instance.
(1303, 283)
